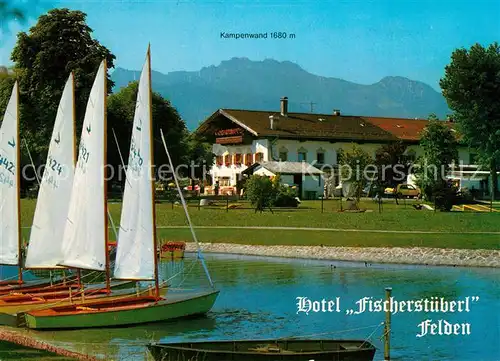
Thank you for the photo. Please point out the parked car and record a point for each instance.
(407, 190)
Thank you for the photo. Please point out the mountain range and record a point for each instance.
(240, 83)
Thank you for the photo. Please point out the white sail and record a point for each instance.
(9, 178)
(45, 244)
(135, 253)
(85, 231)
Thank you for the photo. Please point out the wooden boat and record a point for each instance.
(122, 311)
(17, 302)
(20, 303)
(11, 250)
(45, 246)
(33, 285)
(267, 350)
(136, 253)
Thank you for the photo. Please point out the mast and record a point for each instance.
(18, 169)
(78, 271)
(153, 203)
(108, 281)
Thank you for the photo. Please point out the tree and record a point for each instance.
(7, 80)
(59, 43)
(121, 110)
(199, 156)
(355, 170)
(260, 192)
(440, 147)
(391, 166)
(471, 86)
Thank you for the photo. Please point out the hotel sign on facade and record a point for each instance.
(229, 136)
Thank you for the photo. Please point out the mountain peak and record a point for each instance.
(267, 63)
(242, 83)
(398, 82)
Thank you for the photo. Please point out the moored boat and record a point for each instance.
(44, 249)
(266, 350)
(136, 253)
(70, 294)
(32, 285)
(122, 311)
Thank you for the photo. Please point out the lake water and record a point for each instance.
(258, 299)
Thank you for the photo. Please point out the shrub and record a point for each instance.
(260, 192)
(263, 192)
(285, 197)
(445, 196)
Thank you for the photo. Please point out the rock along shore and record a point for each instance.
(397, 255)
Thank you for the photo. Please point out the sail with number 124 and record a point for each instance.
(46, 238)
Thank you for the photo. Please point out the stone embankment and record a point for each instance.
(416, 255)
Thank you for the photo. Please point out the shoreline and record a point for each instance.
(393, 255)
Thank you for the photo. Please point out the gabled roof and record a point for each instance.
(404, 129)
(320, 126)
(302, 125)
(285, 168)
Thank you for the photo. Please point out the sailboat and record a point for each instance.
(10, 235)
(10, 227)
(136, 257)
(46, 238)
(10, 195)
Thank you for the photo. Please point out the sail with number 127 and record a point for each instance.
(85, 232)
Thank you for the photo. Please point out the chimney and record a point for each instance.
(273, 122)
(284, 106)
(336, 112)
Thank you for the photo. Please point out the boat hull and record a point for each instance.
(18, 303)
(123, 312)
(291, 350)
(30, 286)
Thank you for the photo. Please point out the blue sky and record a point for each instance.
(359, 41)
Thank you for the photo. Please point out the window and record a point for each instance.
(237, 159)
(302, 154)
(472, 158)
(248, 159)
(283, 154)
(259, 157)
(320, 157)
(227, 160)
(219, 160)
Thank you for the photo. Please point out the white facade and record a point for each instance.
(312, 185)
(295, 150)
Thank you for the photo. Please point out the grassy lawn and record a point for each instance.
(393, 217)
